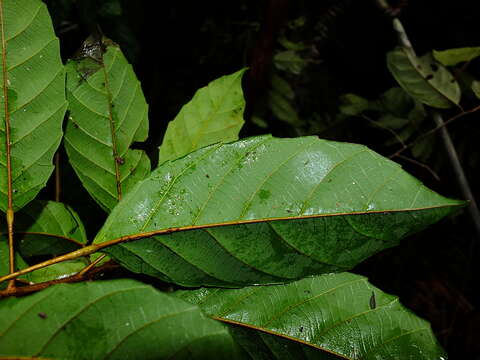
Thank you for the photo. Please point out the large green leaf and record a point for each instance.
(453, 57)
(47, 228)
(340, 314)
(423, 78)
(108, 113)
(120, 319)
(267, 210)
(214, 114)
(33, 102)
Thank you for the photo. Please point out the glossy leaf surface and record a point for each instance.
(423, 78)
(214, 114)
(47, 228)
(267, 210)
(120, 319)
(33, 102)
(108, 113)
(339, 314)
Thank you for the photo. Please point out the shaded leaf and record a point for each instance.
(353, 105)
(289, 61)
(4, 262)
(340, 314)
(58, 271)
(214, 114)
(281, 86)
(396, 101)
(282, 108)
(108, 113)
(392, 122)
(452, 57)
(267, 210)
(423, 79)
(476, 88)
(47, 228)
(32, 82)
(119, 319)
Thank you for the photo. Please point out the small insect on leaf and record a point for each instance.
(373, 302)
(42, 315)
(120, 160)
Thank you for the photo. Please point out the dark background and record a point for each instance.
(179, 46)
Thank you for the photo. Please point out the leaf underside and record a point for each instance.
(424, 79)
(215, 114)
(120, 319)
(340, 314)
(32, 80)
(108, 113)
(266, 210)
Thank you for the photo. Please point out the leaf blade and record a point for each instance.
(106, 118)
(32, 106)
(266, 210)
(214, 114)
(146, 324)
(332, 313)
(424, 80)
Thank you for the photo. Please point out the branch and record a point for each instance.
(81, 276)
(447, 141)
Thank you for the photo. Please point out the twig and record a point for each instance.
(434, 130)
(425, 166)
(91, 265)
(24, 290)
(458, 170)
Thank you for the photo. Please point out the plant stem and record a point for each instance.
(458, 170)
(10, 212)
(24, 290)
(440, 124)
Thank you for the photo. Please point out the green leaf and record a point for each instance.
(47, 228)
(423, 79)
(340, 314)
(4, 262)
(476, 88)
(353, 105)
(108, 113)
(33, 102)
(267, 210)
(282, 108)
(58, 271)
(396, 101)
(452, 57)
(392, 122)
(289, 61)
(214, 114)
(281, 86)
(119, 319)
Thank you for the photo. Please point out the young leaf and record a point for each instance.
(452, 57)
(267, 210)
(214, 114)
(119, 319)
(33, 102)
(108, 113)
(340, 314)
(423, 79)
(47, 228)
